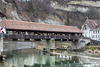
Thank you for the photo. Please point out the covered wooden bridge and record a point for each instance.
(30, 30)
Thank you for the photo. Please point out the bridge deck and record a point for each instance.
(39, 37)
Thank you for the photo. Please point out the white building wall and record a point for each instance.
(91, 33)
(85, 31)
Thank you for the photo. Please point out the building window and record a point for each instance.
(93, 36)
(93, 31)
(85, 27)
(96, 36)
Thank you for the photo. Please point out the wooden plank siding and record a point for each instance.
(39, 37)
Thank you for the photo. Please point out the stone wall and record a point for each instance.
(81, 43)
(1, 45)
(15, 45)
(9, 45)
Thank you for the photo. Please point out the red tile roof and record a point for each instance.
(22, 25)
(93, 24)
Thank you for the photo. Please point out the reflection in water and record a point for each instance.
(41, 60)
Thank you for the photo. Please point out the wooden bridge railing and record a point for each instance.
(39, 37)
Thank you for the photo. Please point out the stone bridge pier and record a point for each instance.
(49, 45)
(78, 44)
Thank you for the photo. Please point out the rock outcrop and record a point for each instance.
(58, 12)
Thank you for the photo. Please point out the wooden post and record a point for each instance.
(69, 36)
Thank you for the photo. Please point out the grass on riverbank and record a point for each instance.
(92, 47)
(66, 43)
(63, 45)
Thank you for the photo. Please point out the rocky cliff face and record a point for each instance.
(59, 12)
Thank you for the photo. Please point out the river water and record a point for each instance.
(37, 58)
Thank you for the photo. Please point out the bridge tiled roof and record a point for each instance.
(22, 25)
